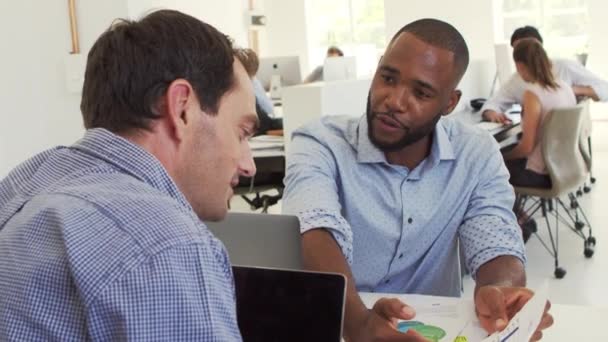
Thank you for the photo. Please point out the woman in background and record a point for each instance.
(543, 93)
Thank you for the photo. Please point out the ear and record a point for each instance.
(180, 101)
(453, 101)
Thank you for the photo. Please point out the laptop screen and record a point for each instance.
(285, 305)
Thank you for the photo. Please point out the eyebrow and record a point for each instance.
(420, 83)
(389, 69)
(425, 85)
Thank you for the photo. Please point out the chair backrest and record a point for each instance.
(260, 240)
(586, 133)
(561, 149)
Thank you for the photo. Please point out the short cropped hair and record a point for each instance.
(442, 35)
(132, 64)
(526, 32)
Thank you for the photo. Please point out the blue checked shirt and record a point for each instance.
(97, 243)
(397, 227)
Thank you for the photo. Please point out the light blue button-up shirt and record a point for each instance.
(98, 243)
(397, 227)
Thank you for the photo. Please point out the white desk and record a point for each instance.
(572, 323)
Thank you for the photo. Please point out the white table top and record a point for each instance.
(572, 323)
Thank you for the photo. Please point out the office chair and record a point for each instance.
(251, 190)
(585, 146)
(567, 169)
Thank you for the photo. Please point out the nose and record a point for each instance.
(397, 100)
(246, 164)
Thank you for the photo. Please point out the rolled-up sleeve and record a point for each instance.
(580, 75)
(311, 191)
(490, 228)
(511, 92)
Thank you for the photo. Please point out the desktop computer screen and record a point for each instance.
(339, 68)
(288, 68)
(505, 67)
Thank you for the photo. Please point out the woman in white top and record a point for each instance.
(543, 93)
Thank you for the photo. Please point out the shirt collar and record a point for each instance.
(131, 159)
(367, 152)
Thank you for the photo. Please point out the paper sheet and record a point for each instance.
(523, 325)
(443, 319)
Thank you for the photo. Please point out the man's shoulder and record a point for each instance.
(467, 138)
(127, 200)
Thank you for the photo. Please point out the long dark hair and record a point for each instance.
(530, 53)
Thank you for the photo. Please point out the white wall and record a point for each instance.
(37, 110)
(472, 18)
(228, 16)
(598, 49)
(285, 33)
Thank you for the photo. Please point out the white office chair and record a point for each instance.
(568, 171)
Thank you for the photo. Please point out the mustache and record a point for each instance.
(392, 115)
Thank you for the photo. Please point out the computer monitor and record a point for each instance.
(288, 68)
(287, 305)
(339, 68)
(505, 67)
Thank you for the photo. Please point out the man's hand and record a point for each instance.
(380, 324)
(496, 306)
(492, 116)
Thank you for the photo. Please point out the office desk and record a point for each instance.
(505, 135)
(572, 323)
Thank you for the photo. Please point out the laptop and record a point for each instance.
(288, 305)
(261, 240)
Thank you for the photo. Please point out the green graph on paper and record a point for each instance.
(431, 332)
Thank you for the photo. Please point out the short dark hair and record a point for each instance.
(131, 65)
(249, 59)
(526, 32)
(442, 35)
(336, 50)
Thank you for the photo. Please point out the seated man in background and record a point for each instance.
(584, 83)
(317, 74)
(263, 104)
(103, 240)
(384, 198)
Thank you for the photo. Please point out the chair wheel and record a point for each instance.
(587, 189)
(589, 251)
(593, 180)
(579, 193)
(591, 240)
(559, 273)
(579, 225)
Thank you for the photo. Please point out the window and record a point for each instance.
(563, 24)
(355, 26)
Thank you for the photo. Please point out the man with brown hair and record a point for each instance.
(104, 239)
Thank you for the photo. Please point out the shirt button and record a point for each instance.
(400, 255)
(410, 220)
(387, 281)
